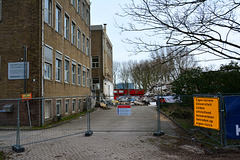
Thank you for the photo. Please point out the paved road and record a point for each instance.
(138, 143)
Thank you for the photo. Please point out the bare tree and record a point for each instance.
(124, 73)
(144, 75)
(206, 26)
(172, 62)
(116, 69)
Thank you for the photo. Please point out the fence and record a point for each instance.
(199, 123)
(41, 119)
(32, 121)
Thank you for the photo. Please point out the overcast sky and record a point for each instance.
(105, 12)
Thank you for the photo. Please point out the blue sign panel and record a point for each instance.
(232, 105)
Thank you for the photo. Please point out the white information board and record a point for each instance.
(124, 110)
(16, 70)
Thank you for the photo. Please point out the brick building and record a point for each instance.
(53, 37)
(102, 61)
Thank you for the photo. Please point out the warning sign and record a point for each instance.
(206, 112)
(124, 110)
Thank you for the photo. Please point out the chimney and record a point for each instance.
(104, 27)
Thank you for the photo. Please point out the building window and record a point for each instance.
(48, 106)
(87, 17)
(95, 61)
(58, 19)
(87, 47)
(96, 83)
(66, 71)
(47, 62)
(66, 105)
(66, 27)
(83, 11)
(88, 72)
(83, 75)
(58, 56)
(78, 39)
(58, 70)
(73, 72)
(58, 107)
(79, 74)
(79, 104)
(73, 105)
(73, 33)
(79, 6)
(73, 2)
(48, 12)
(47, 71)
(83, 43)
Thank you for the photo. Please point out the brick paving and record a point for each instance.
(103, 145)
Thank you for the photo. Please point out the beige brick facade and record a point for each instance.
(23, 23)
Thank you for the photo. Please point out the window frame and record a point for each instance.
(83, 11)
(58, 22)
(88, 77)
(47, 109)
(49, 12)
(83, 43)
(73, 72)
(79, 74)
(79, 6)
(66, 106)
(87, 46)
(73, 2)
(48, 61)
(66, 70)
(87, 16)
(67, 26)
(96, 84)
(95, 64)
(79, 104)
(84, 76)
(73, 33)
(47, 71)
(58, 109)
(58, 70)
(73, 105)
(79, 38)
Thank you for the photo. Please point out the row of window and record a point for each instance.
(67, 108)
(77, 37)
(79, 73)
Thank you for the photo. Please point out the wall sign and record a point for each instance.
(16, 70)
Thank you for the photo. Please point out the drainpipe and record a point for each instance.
(42, 75)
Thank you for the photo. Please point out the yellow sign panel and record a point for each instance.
(206, 112)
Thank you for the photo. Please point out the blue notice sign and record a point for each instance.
(232, 105)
